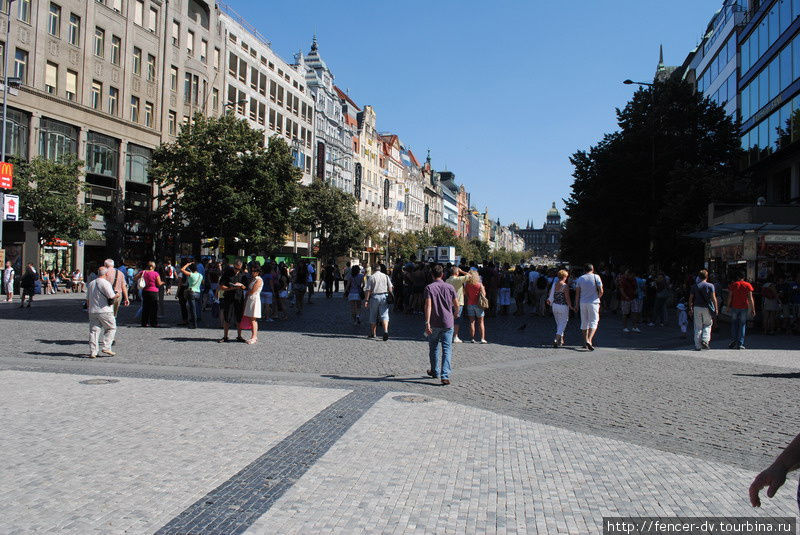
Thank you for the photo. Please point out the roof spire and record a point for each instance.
(314, 43)
(661, 54)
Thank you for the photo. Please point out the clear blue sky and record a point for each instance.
(501, 92)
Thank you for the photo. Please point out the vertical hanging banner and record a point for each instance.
(321, 160)
(6, 175)
(357, 186)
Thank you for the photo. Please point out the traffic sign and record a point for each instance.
(6, 175)
(10, 207)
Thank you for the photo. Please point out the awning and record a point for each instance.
(733, 228)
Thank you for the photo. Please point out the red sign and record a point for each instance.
(6, 175)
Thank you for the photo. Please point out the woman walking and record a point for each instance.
(353, 292)
(473, 290)
(561, 304)
(299, 285)
(267, 291)
(252, 304)
(152, 283)
(283, 291)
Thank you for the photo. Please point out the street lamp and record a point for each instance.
(5, 95)
(630, 82)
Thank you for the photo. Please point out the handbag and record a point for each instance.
(483, 302)
(141, 284)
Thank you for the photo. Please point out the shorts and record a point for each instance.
(460, 310)
(354, 297)
(378, 308)
(590, 315)
(475, 311)
(232, 310)
(630, 307)
(266, 298)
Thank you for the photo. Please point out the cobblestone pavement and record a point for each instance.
(718, 414)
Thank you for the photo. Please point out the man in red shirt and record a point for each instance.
(741, 306)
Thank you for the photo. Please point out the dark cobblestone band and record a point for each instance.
(236, 504)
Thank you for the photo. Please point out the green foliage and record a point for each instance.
(331, 214)
(651, 181)
(218, 180)
(48, 191)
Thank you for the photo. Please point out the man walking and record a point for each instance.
(589, 290)
(457, 280)
(8, 281)
(703, 306)
(100, 297)
(118, 284)
(232, 284)
(628, 301)
(376, 299)
(441, 312)
(741, 305)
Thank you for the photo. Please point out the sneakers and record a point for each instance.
(484, 341)
(472, 341)
(108, 352)
(626, 330)
(704, 345)
(385, 336)
(456, 340)
(636, 330)
(733, 345)
(741, 347)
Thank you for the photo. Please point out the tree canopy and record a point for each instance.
(218, 180)
(649, 184)
(47, 192)
(331, 214)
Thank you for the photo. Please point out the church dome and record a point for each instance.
(553, 211)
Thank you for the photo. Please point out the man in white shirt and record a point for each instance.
(376, 299)
(588, 291)
(8, 281)
(100, 297)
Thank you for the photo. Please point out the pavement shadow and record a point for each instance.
(382, 379)
(792, 375)
(63, 342)
(189, 339)
(56, 354)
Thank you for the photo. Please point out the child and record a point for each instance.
(683, 317)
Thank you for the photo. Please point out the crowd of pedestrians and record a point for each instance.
(242, 294)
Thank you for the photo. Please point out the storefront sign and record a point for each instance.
(6, 175)
(782, 238)
(10, 207)
(729, 240)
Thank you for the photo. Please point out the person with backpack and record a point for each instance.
(703, 307)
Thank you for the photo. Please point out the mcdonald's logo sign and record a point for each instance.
(6, 175)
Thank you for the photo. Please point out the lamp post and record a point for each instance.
(651, 247)
(5, 96)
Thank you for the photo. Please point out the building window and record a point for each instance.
(74, 34)
(151, 67)
(173, 78)
(137, 164)
(271, 119)
(72, 85)
(152, 22)
(99, 42)
(214, 99)
(262, 84)
(138, 12)
(148, 114)
(135, 109)
(242, 71)
(253, 109)
(203, 50)
(21, 65)
(137, 60)
(116, 47)
(113, 100)
(24, 11)
(54, 21)
(233, 64)
(176, 33)
(56, 139)
(97, 95)
(16, 134)
(262, 113)
(172, 119)
(216, 58)
(51, 78)
(273, 90)
(4, 5)
(190, 42)
(102, 155)
(254, 78)
(191, 89)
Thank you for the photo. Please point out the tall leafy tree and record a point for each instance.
(331, 214)
(48, 192)
(640, 190)
(218, 180)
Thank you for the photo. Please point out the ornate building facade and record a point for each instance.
(545, 241)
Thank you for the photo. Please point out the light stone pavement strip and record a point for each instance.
(129, 456)
(441, 467)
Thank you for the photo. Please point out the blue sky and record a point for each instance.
(501, 92)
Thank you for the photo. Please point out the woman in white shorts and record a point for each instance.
(353, 293)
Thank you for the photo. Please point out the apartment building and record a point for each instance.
(101, 80)
(414, 200)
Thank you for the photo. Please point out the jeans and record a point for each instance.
(192, 301)
(101, 322)
(378, 308)
(445, 336)
(703, 320)
(738, 324)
